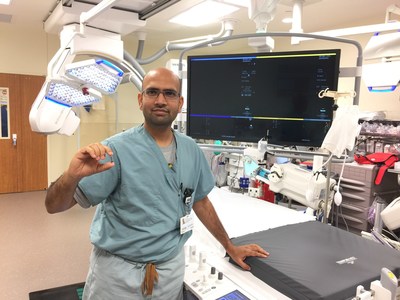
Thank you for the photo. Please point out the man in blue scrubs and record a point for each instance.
(145, 182)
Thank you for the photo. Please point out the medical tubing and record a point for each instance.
(338, 191)
(227, 33)
(327, 187)
(154, 57)
(324, 164)
(136, 81)
(140, 48)
(173, 46)
(135, 64)
(136, 72)
(132, 72)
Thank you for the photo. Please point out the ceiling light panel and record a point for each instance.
(204, 13)
(287, 20)
(242, 3)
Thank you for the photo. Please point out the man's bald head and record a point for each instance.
(158, 73)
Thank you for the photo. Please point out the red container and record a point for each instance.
(267, 195)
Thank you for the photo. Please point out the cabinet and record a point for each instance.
(359, 191)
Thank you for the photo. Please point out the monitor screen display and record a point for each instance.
(247, 97)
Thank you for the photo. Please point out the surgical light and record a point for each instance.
(100, 74)
(63, 93)
(384, 75)
(49, 116)
(70, 83)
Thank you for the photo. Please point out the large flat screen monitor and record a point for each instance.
(250, 96)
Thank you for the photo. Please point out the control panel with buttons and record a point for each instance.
(205, 282)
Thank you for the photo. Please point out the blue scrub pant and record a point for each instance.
(111, 277)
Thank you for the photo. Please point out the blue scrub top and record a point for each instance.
(140, 200)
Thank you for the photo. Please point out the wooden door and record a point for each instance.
(24, 163)
(8, 152)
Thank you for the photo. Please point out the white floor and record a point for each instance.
(38, 250)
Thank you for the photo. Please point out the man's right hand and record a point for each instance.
(60, 194)
(87, 161)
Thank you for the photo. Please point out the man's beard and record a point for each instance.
(159, 121)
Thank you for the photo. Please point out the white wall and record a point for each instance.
(28, 52)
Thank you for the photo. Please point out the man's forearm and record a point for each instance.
(60, 194)
(206, 213)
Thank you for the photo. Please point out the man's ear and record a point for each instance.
(140, 101)
(181, 101)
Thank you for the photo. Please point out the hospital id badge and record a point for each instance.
(187, 223)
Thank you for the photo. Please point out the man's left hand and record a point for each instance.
(240, 253)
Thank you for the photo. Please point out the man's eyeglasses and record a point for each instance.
(154, 93)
